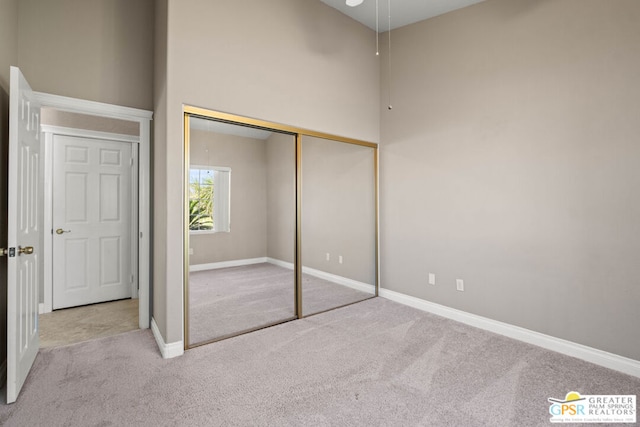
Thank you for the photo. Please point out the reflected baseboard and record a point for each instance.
(226, 264)
(333, 278)
(280, 263)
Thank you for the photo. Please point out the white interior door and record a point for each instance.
(24, 267)
(92, 198)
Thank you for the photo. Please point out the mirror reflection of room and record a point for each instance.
(241, 229)
(338, 224)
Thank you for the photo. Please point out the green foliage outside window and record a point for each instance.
(201, 199)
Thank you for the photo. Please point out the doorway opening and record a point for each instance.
(96, 165)
(90, 278)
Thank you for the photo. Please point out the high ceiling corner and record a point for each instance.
(403, 12)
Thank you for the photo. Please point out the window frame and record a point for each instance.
(214, 169)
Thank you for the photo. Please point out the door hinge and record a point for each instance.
(131, 279)
(131, 161)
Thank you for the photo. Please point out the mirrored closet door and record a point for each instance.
(241, 229)
(338, 224)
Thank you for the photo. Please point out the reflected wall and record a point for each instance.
(338, 224)
(241, 213)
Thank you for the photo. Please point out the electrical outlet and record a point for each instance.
(328, 256)
(460, 285)
(190, 251)
(340, 259)
(432, 279)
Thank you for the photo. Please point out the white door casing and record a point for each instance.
(92, 221)
(24, 269)
(141, 247)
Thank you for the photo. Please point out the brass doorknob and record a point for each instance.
(27, 250)
(60, 231)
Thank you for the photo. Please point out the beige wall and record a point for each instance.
(159, 155)
(281, 197)
(8, 57)
(510, 160)
(101, 50)
(51, 116)
(306, 65)
(8, 41)
(247, 159)
(338, 208)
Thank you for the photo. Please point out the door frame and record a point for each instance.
(142, 178)
(50, 132)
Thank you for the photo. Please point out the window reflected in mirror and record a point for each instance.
(209, 198)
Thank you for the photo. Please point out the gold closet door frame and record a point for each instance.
(191, 111)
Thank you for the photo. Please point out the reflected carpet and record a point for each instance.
(230, 300)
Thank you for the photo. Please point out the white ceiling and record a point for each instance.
(228, 129)
(403, 12)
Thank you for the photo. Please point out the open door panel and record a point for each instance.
(25, 219)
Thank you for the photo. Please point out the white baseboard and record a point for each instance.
(333, 278)
(225, 264)
(168, 351)
(589, 354)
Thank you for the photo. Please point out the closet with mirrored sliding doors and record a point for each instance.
(280, 223)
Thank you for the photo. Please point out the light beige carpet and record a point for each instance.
(375, 363)
(72, 325)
